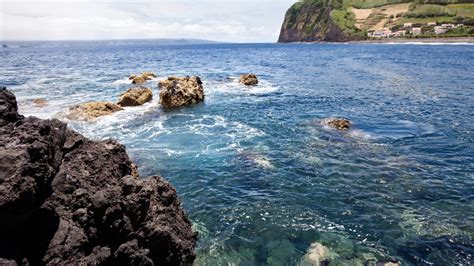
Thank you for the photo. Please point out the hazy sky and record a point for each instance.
(221, 20)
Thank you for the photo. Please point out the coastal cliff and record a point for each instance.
(65, 199)
(354, 20)
(311, 21)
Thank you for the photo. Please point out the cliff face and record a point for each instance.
(67, 200)
(310, 21)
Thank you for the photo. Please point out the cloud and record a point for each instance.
(233, 21)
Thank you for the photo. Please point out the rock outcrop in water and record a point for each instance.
(141, 79)
(67, 200)
(338, 123)
(181, 91)
(135, 97)
(40, 102)
(248, 79)
(92, 110)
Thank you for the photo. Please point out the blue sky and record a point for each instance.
(220, 20)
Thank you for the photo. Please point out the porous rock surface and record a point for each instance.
(180, 91)
(135, 97)
(67, 200)
(248, 79)
(92, 110)
(338, 123)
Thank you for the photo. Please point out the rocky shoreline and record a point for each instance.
(65, 199)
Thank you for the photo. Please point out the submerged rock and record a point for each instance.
(92, 110)
(248, 79)
(67, 200)
(339, 123)
(317, 255)
(181, 91)
(135, 97)
(40, 102)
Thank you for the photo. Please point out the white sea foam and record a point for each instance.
(359, 135)
(234, 87)
(122, 81)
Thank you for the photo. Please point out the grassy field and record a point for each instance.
(378, 3)
(398, 14)
(463, 10)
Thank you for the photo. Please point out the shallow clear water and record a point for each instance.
(259, 175)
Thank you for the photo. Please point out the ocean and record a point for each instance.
(259, 174)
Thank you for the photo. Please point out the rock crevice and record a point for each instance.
(65, 199)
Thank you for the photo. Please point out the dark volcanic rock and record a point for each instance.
(65, 200)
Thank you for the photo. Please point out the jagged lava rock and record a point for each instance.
(135, 97)
(65, 199)
(92, 110)
(248, 79)
(181, 91)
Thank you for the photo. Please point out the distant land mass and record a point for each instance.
(160, 41)
(352, 20)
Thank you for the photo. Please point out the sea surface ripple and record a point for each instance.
(259, 174)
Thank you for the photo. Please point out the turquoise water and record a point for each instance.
(259, 174)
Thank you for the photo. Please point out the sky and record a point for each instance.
(218, 20)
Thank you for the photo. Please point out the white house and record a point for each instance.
(432, 24)
(416, 31)
(449, 25)
(408, 25)
(440, 29)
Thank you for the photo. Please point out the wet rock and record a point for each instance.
(317, 255)
(181, 91)
(67, 200)
(92, 110)
(135, 97)
(138, 80)
(248, 79)
(338, 123)
(8, 107)
(141, 79)
(40, 102)
(148, 75)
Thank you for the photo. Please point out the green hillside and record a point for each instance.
(342, 20)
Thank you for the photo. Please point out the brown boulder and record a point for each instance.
(141, 79)
(181, 91)
(339, 123)
(248, 79)
(138, 80)
(92, 110)
(148, 75)
(40, 102)
(135, 97)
